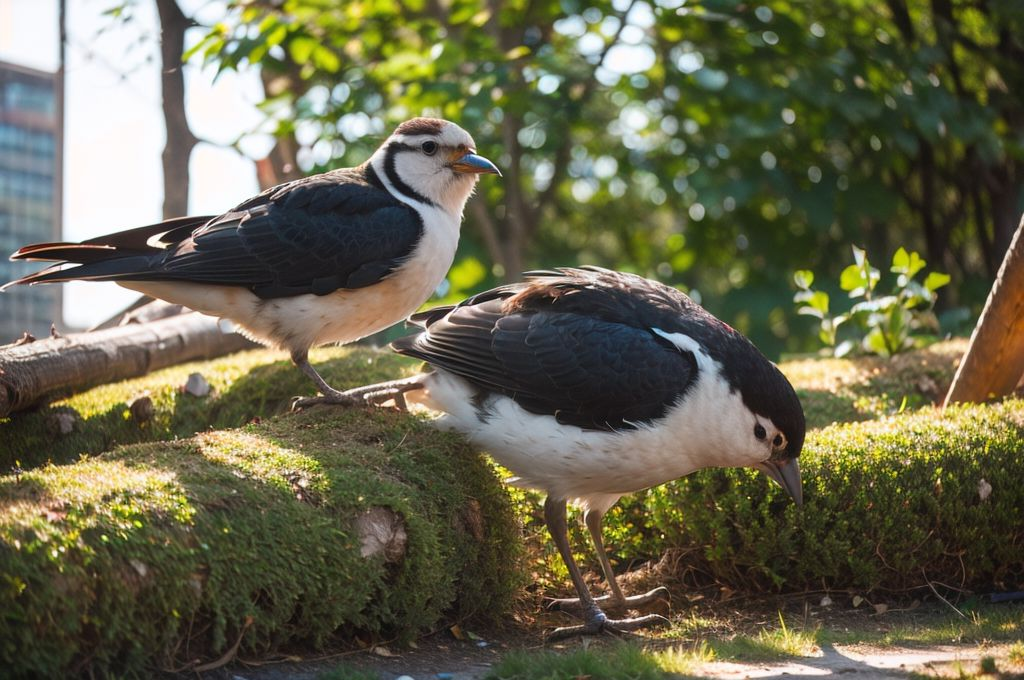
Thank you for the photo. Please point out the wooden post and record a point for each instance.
(994, 362)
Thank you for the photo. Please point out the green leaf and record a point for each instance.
(936, 280)
(907, 264)
(852, 278)
(803, 279)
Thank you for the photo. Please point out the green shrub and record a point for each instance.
(882, 325)
(246, 385)
(158, 554)
(888, 505)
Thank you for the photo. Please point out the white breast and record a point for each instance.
(595, 466)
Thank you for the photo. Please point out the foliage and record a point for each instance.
(246, 385)
(155, 555)
(881, 324)
(714, 144)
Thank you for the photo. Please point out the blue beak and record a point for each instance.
(472, 163)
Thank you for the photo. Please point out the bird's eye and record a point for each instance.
(779, 441)
(759, 431)
(429, 147)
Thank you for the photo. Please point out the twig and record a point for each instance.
(944, 600)
(228, 655)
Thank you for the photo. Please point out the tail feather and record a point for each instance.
(68, 252)
(111, 269)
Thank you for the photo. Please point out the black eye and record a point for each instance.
(777, 442)
(759, 431)
(429, 148)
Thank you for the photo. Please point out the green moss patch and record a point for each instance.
(892, 504)
(159, 554)
(866, 388)
(246, 385)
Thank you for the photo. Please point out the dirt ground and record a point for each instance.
(442, 656)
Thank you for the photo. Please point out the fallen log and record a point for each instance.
(38, 371)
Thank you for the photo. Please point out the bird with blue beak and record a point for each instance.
(324, 259)
(590, 384)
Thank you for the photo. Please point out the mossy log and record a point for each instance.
(247, 385)
(34, 372)
(309, 527)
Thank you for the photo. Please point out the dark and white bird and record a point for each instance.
(325, 259)
(589, 384)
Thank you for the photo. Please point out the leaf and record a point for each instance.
(936, 280)
(381, 650)
(907, 264)
(517, 52)
(852, 278)
(803, 279)
(857, 601)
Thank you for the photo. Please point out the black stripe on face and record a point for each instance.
(390, 155)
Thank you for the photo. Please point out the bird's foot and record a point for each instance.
(334, 397)
(573, 604)
(597, 623)
(369, 395)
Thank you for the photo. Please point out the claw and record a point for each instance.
(573, 604)
(597, 624)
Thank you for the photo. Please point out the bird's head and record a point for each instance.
(429, 161)
(778, 430)
(749, 415)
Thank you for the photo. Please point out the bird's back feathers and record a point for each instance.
(337, 230)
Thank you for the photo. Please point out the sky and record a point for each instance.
(114, 132)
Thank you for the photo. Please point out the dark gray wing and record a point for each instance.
(583, 370)
(315, 235)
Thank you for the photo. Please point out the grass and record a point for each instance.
(665, 656)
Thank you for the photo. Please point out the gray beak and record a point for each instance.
(471, 163)
(787, 475)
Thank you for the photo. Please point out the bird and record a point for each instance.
(329, 258)
(590, 384)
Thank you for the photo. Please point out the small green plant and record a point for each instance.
(880, 324)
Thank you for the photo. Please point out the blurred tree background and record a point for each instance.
(715, 145)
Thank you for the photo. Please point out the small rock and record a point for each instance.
(142, 409)
(63, 422)
(196, 385)
(984, 489)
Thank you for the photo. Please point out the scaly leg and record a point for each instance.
(616, 600)
(595, 620)
(328, 395)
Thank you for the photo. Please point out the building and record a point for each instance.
(30, 193)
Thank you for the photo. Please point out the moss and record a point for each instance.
(890, 504)
(156, 554)
(866, 388)
(246, 385)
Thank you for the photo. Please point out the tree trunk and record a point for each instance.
(994, 362)
(180, 140)
(40, 371)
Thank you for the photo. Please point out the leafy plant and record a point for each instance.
(880, 324)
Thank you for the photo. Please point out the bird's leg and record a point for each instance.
(328, 395)
(616, 600)
(595, 620)
(380, 393)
